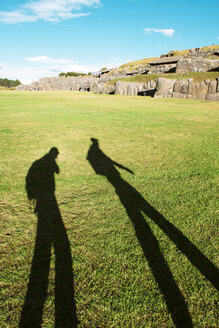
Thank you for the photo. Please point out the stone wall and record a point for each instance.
(70, 83)
(161, 69)
(184, 88)
(186, 65)
(133, 88)
(200, 52)
(79, 83)
(188, 89)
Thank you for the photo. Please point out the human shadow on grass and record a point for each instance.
(135, 205)
(51, 232)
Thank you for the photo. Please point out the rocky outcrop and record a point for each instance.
(187, 89)
(183, 88)
(187, 65)
(202, 52)
(87, 83)
(79, 83)
(195, 52)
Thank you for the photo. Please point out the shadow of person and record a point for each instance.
(135, 205)
(40, 187)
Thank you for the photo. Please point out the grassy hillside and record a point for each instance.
(172, 53)
(140, 62)
(142, 233)
(213, 47)
(186, 51)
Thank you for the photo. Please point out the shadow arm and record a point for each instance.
(194, 255)
(122, 167)
(56, 169)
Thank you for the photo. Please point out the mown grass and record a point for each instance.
(5, 88)
(144, 78)
(170, 145)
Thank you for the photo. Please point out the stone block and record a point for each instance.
(184, 88)
(203, 87)
(198, 88)
(152, 84)
(158, 95)
(177, 86)
(212, 87)
(168, 94)
(207, 82)
(130, 90)
(164, 85)
(200, 96)
(179, 95)
(192, 88)
(212, 96)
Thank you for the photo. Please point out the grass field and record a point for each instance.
(139, 244)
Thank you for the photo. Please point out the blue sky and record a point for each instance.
(45, 37)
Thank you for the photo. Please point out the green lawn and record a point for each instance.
(143, 245)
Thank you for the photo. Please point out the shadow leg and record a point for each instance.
(65, 309)
(162, 274)
(32, 311)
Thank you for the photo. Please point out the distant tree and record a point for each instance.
(71, 74)
(103, 69)
(62, 74)
(9, 83)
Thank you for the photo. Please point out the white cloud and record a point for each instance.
(160, 48)
(218, 37)
(47, 10)
(166, 32)
(118, 61)
(16, 17)
(29, 74)
(49, 60)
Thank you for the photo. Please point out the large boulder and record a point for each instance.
(192, 87)
(163, 86)
(204, 87)
(212, 88)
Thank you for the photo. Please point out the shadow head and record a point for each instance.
(95, 141)
(53, 152)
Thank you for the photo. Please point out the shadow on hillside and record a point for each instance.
(51, 232)
(135, 205)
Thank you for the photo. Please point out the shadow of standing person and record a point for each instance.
(40, 187)
(135, 205)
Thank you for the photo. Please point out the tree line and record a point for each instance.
(9, 83)
(62, 74)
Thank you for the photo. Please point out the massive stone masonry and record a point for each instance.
(186, 88)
